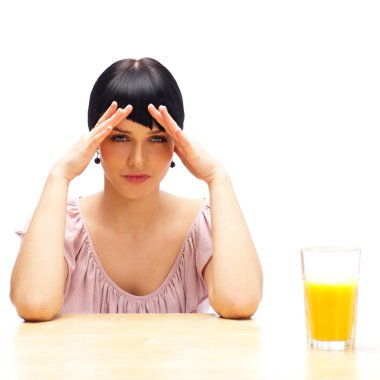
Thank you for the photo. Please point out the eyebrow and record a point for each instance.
(151, 132)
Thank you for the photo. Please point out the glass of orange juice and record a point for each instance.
(330, 279)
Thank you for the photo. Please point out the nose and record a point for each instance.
(137, 156)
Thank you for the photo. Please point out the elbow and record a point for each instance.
(36, 311)
(237, 307)
(33, 309)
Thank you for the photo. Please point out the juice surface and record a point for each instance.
(330, 308)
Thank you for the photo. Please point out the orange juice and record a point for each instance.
(330, 308)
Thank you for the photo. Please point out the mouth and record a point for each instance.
(137, 178)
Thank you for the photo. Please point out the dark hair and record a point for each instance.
(138, 82)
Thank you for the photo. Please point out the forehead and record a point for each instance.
(130, 126)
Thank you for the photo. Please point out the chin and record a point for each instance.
(136, 194)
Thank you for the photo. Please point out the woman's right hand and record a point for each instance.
(75, 161)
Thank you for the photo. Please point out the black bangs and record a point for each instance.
(137, 89)
(139, 83)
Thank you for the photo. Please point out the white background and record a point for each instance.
(285, 93)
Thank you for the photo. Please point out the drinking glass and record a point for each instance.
(330, 279)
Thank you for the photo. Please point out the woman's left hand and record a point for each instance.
(193, 156)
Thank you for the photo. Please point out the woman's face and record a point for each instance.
(135, 158)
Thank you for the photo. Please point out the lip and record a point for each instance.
(136, 178)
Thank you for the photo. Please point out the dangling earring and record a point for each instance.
(97, 159)
(172, 164)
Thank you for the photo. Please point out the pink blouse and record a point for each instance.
(88, 289)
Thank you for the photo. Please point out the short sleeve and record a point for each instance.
(203, 239)
(74, 238)
(197, 253)
(21, 233)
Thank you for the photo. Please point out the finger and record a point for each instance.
(99, 137)
(182, 157)
(99, 133)
(182, 141)
(169, 122)
(156, 114)
(93, 143)
(162, 116)
(119, 115)
(115, 119)
(109, 112)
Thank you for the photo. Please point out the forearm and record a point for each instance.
(38, 277)
(236, 270)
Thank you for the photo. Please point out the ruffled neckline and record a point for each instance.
(168, 279)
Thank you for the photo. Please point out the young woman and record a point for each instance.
(133, 247)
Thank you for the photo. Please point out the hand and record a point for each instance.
(75, 161)
(193, 156)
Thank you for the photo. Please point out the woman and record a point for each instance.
(133, 247)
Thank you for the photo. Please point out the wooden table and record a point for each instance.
(173, 346)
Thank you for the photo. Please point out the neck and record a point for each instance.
(132, 214)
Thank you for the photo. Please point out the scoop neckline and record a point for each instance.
(109, 280)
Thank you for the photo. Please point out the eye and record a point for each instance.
(158, 139)
(119, 138)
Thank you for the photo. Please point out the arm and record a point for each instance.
(40, 271)
(233, 275)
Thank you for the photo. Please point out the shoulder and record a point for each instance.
(178, 201)
(77, 209)
(188, 208)
(89, 201)
(190, 218)
(78, 205)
